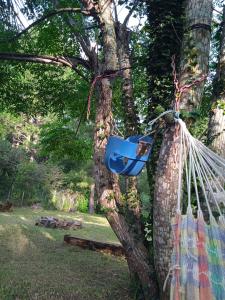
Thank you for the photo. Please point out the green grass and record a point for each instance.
(35, 264)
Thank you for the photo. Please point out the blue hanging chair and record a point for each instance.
(127, 157)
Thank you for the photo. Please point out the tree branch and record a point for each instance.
(115, 11)
(47, 16)
(126, 20)
(84, 41)
(71, 62)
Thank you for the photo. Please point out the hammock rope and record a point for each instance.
(198, 258)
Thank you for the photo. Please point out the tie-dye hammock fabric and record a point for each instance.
(198, 259)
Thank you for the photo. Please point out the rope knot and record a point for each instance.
(180, 89)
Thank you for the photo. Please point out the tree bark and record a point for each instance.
(165, 35)
(216, 134)
(108, 193)
(66, 61)
(195, 50)
(217, 130)
(197, 35)
(131, 123)
(165, 201)
(92, 200)
(136, 254)
(109, 35)
(131, 120)
(71, 62)
(107, 187)
(165, 32)
(130, 109)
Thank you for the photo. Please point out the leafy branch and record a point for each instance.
(47, 16)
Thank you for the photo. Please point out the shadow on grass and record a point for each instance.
(36, 264)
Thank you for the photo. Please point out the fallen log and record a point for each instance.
(94, 245)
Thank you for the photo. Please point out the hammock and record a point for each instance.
(198, 258)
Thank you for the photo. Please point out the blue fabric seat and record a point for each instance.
(127, 157)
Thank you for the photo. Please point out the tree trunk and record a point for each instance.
(197, 35)
(136, 254)
(109, 35)
(131, 120)
(217, 130)
(165, 34)
(104, 180)
(195, 50)
(107, 187)
(216, 134)
(130, 109)
(92, 200)
(108, 194)
(165, 201)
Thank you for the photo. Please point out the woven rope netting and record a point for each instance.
(198, 259)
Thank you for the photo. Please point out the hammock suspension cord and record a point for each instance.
(198, 259)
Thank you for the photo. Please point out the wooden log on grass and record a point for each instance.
(94, 245)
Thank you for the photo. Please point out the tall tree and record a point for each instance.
(216, 134)
(107, 186)
(194, 63)
(104, 65)
(165, 37)
(131, 120)
(106, 183)
(165, 34)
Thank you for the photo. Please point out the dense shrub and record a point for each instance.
(82, 203)
(64, 200)
(32, 184)
(10, 159)
(54, 171)
(67, 200)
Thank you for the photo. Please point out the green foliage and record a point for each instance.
(40, 89)
(164, 29)
(22, 182)
(63, 184)
(200, 128)
(220, 104)
(67, 200)
(59, 141)
(21, 131)
(9, 158)
(82, 203)
(63, 200)
(79, 178)
(32, 184)
(146, 216)
(145, 206)
(9, 161)
(139, 45)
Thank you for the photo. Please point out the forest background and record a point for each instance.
(51, 153)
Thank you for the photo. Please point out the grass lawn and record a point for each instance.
(36, 264)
